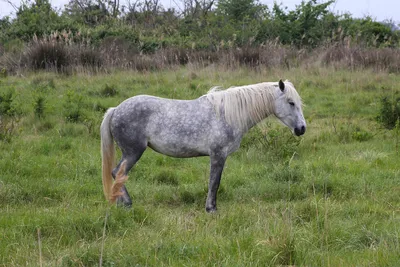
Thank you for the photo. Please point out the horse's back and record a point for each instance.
(144, 107)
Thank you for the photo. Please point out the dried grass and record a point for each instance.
(378, 59)
(61, 54)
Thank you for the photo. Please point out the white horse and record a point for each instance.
(211, 125)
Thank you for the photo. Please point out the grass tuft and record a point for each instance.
(166, 177)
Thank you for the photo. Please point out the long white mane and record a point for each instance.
(247, 105)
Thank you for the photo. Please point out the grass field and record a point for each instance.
(329, 198)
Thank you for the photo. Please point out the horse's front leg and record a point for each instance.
(217, 163)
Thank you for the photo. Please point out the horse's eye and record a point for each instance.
(291, 103)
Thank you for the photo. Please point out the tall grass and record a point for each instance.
(330, 198)
(61, 53)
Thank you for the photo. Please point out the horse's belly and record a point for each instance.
(179, 150)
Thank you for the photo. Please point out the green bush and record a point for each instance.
(34, 18)
(110, 31)
(39, 106)
(361, 135)
(389, 112)
(149, 46)
(73, 107)
(3, 72)
(6, 106)
(9, 115)
(13, 45)
(108, 91)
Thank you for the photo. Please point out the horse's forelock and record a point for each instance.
(292, 94)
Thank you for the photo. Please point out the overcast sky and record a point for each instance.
(377, 9)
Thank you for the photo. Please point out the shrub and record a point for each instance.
(389, 112)
(39, 106)
(99, 107)
(121, 32)
(108, 91)
(91, 122)
(7, 128)
(48, 55)
(13, 46)
(8, 115)
(6, 107)
(149, 47)
(3, 72)
(73, 107)
(361, 135)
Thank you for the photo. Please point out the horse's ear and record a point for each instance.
(281, 85)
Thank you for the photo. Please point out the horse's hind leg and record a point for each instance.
(130, 160)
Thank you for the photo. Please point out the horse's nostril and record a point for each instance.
(300, 131)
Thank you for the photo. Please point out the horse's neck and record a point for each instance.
(244, 107)
(259, 108)
(251, 122)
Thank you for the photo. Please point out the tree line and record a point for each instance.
(147, 26)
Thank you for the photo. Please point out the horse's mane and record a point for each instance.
(249, 104)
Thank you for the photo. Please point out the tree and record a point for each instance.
(89, 12)
(193, 9)
(144, 12)
(308, 25)
(238, 10)
(32, 18)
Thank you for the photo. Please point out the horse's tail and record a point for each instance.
(107, 153)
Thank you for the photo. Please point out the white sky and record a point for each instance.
(377, 9)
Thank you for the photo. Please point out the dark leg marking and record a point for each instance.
(217, 163)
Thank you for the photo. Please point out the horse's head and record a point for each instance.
(288, 108)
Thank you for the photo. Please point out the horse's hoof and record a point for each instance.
(123, 204)
(211, 210)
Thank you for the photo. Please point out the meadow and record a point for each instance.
(329, 198)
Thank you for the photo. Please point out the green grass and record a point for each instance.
(330, 198)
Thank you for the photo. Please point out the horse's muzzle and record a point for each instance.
(299, 131)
